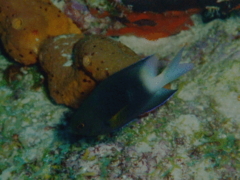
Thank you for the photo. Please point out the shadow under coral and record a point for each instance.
(63, 133)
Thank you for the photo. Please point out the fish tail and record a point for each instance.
(170, 73)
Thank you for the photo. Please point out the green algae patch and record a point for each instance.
(221, 149)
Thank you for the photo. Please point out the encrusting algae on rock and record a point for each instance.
(25, 24)
(75, 65)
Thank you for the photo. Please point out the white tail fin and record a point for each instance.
(174, 70)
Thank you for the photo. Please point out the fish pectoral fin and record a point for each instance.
(158, 99)
(119, 119)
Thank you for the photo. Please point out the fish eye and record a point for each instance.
(80, 126)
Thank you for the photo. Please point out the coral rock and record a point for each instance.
(75, 65)
(24, 24)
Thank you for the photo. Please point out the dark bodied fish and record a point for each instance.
(125, 95)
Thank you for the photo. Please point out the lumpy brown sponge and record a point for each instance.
(67, 85)
(76, 64)
(100, 57)
(33, 30)
(25, 24)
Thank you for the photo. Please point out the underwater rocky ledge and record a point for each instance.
(195, 135)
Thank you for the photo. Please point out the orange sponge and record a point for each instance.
(75, 65)
(67, 84)
(25, 24)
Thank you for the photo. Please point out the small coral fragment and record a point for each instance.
(25, 24)
(87, 18)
